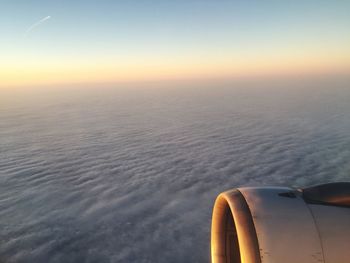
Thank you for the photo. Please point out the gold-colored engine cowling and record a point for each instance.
(279, 224)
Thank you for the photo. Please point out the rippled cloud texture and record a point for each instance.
(130, 175)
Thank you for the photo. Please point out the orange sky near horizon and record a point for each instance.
(38, 72)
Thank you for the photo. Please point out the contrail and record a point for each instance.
(36, 24)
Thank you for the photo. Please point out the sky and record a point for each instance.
(62, 41)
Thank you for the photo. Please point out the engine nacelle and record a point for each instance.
(282, 225)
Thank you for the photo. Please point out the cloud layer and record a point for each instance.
(131, 176)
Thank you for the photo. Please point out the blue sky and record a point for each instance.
(83, 31)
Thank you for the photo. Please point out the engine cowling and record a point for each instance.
(279, 224)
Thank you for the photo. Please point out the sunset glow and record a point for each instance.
(158, 42)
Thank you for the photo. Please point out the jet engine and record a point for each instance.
(282, 225)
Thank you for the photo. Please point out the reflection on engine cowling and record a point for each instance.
(279, 224)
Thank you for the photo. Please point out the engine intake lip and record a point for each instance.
(238, 243)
